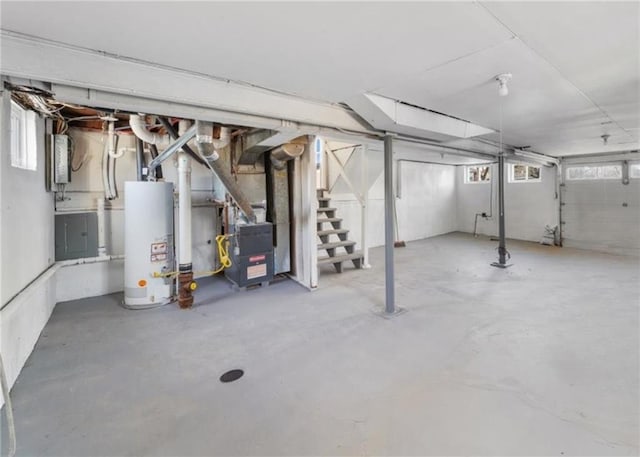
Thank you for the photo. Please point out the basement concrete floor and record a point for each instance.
(538, 359)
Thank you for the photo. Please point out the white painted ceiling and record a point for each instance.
(575, 65)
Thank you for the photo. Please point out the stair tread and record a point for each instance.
(322, 209)
(332, 232)
(336, 244)
(328, 219)
(340, 258)
(324, 199)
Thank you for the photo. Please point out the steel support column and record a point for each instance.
(389, 203)
(502, 244)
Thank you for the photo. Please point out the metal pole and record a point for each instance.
(502, 245)
(502, 248)
(388, 225)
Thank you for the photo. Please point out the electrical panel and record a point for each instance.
(76, 235)
(61, 159)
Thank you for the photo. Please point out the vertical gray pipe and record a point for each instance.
(389, 203)
(139, 158)
(502, 246)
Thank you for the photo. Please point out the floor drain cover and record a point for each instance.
(231, 376)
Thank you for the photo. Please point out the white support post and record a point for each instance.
(305, 217)
(364, 182)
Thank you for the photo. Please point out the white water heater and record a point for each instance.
(148, 243)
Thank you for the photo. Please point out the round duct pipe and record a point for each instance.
(284, 153)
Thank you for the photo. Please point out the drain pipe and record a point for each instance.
(206, 148)
(138, 126)
(102, 250)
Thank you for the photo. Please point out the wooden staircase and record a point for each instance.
(328, 226)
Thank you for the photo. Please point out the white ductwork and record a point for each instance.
(395, 116)
(284, 153)
(138, 126)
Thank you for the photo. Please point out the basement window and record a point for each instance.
(634, 170)
(588, 172)
(524, 173)
(23, 138)
(477, 174)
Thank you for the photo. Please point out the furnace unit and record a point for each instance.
(251, 253)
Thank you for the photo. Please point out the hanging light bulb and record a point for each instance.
(502, 79)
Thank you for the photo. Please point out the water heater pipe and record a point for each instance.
(185, 268)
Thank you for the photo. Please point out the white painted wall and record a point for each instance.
(529, 206)
(27, 250)
(426, 203)
(27, 217)
(86, 187)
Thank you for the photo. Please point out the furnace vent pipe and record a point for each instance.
(184, 139)
(138, 126)
(206, 148)
(175, 135)
(284, 153)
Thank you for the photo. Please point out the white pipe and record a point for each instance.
(184, 208)
(105, 172)
(102, 250)
(111, 139)
(539, 158)
(138, 126)
(112, 178)
(183, 126)
(87, 260)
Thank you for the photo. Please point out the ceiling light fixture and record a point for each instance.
(502, 79)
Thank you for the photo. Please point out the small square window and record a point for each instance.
(23, 138)
(477, 174)
(634, 170)
(524, 173)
